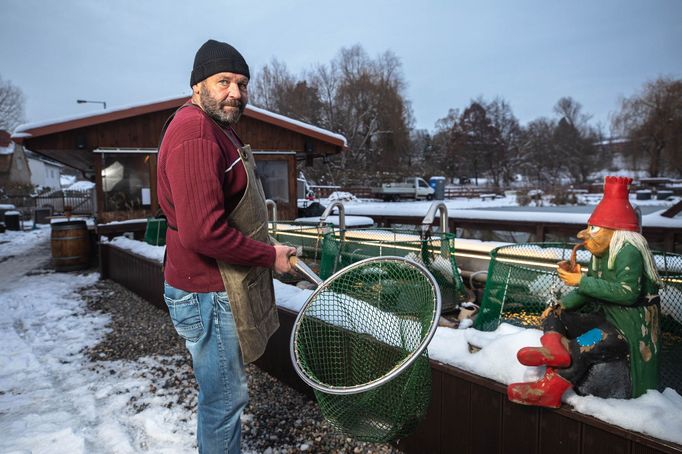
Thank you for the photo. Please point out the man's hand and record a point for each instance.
(551, 309)
(571, 278)
(282, 254)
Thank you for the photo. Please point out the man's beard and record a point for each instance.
(214, 108)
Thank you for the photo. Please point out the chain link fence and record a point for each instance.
(327, 249)
(436, 251)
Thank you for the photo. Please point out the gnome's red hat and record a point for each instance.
(614, 211)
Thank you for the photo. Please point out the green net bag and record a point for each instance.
(360, 342)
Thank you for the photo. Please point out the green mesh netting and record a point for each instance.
(307, 239)
(436, 251)
(360, 341)
(522, 278)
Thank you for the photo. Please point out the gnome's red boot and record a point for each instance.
(552, 353)
(546, 392)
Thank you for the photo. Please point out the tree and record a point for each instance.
(477, 144)
(371, 111)
(571, 110)
(355, 95)
(575, 141)
(421, 152)
(543, 163)
(269, 84)
(510, 154)
(11, 106)
(652, 121)
(278, 90)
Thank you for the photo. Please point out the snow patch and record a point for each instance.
(155, 253)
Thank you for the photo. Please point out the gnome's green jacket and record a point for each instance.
(629, 300)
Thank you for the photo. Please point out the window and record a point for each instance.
(125, 181)
(274, 174)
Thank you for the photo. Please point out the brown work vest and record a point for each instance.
(249, 289)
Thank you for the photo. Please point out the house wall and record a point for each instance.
(14, 168)
(44, 174)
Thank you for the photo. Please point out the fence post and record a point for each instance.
(540, 233)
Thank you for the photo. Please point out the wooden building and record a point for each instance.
(117, 150)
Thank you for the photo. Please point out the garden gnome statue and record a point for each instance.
(611, 316)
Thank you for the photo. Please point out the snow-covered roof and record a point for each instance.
(296, 123)
(67, 180)
(40, 128)
(24, 129)
(9, 149)
(81, 186)
(33, 156)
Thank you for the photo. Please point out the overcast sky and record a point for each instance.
(531, 52)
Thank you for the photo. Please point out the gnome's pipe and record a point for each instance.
(570, 265)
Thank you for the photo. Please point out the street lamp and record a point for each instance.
(83, 101)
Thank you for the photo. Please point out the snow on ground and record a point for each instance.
(13, 243)
(52, 400)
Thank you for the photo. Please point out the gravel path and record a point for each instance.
(292, 423)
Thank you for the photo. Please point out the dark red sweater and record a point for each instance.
(196, 194)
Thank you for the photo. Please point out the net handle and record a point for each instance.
(300, 266)
(305, 270)
(396, 371)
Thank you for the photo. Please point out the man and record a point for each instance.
(612, 315)
(218, 268)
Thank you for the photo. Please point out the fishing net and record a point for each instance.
(436, 251)
(360, 342)
(522, 279)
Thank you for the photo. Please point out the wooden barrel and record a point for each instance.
(70, 245)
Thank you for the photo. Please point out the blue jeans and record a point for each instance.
(205, 321)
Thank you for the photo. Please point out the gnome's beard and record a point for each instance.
(621, 238)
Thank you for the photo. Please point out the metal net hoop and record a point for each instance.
(365, 325)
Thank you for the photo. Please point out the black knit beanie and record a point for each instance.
(215, 57)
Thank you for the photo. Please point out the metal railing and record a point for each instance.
(81, 202)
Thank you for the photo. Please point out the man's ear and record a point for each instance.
(196, 88)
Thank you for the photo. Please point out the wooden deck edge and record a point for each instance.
(565, 410)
